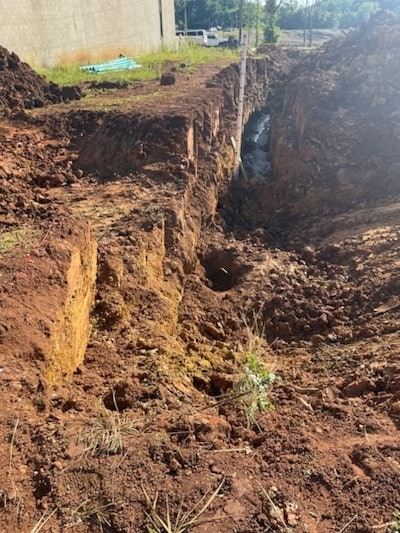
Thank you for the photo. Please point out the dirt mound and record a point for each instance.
(22, 88)
(335, 127)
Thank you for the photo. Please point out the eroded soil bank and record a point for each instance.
(194, 272)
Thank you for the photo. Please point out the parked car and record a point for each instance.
(230, 42)
(214, 40)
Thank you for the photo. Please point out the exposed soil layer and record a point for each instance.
(191, 278)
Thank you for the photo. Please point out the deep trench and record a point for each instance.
(233, 204)
(255, 146)
(224, 268)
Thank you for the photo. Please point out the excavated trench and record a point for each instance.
(171, 221)
(175, 168)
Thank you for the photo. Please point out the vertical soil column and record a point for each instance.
(46, 294)
(71, 330)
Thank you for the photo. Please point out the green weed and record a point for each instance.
(394, 526)
(254, 386)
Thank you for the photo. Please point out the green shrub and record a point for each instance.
(254, 386)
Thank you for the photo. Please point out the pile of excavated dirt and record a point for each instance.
(335, 127)
(150, 411)
(22, 88)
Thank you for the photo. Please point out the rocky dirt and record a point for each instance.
(145, 417)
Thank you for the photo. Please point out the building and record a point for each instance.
(44, 33)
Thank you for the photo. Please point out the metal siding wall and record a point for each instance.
(45, 32)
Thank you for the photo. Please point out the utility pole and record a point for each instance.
(237, 143)
(306, 8)
(308, 21)
(310, 37)
(184, 18)
(257, 20)
(241, 20)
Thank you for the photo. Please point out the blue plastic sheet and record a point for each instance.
(123, 63)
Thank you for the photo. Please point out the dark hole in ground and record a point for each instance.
(205, 385)
(119, 398)
(42, 487)
(223, 269)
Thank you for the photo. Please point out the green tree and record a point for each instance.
(291, 16)
(390, 5)
(331, 13)
(271, 31)
(206, 13)
(343, 13)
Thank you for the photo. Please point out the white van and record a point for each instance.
(195, 36)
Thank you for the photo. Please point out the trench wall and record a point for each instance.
(46, 300)
(178, 165)
(194, 148)
(48, 32)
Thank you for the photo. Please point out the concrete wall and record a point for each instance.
(48, 32)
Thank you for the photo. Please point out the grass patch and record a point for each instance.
(106, 434)
(152, 64)
(394, 526)
(11, 239)
(256, 379)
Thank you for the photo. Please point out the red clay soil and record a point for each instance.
(151, 422)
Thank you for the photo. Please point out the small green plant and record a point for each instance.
(394, 526)
(183, 520)
(106, 434)
(254, 387)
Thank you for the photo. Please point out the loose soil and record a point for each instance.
(195, 271)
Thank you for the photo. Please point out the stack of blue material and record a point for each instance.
(122, 63)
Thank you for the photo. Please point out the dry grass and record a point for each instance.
(42, 521)
(90, 513)
(106, 433)
(182, 520)
(277, 512)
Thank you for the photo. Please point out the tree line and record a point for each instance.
(269, 16)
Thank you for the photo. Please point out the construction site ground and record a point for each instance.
(191, 277)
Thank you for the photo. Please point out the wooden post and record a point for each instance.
(239, 126)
